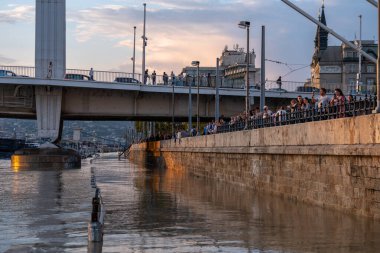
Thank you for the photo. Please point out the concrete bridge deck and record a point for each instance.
(27, 81)
(93, 100)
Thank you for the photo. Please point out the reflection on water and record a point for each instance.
(155, 210)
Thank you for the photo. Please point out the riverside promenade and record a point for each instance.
(333, 163)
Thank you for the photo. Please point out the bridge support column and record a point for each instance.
(50, 46)
(48, 107)
(50, 63)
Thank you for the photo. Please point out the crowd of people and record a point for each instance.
(300, 107)
(177, 80)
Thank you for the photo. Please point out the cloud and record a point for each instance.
(178, 31)
(17, 13)
(185, 30)
(5, 60)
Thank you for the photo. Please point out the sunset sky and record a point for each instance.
(100, 32)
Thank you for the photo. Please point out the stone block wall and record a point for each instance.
(334, 163)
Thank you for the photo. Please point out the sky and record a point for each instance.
(100, 32)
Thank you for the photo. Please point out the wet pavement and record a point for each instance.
(155, 210)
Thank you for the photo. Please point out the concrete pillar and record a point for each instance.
(50, 39)
(50, 62)
(48, 107)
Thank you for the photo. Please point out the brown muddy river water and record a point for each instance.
(155, 210)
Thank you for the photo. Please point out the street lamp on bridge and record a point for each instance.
(134, 53)
(246, 25)
(196, 64)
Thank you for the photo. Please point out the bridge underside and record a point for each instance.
(18, 101)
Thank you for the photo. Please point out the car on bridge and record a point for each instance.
(6, 73)
(78, 77)
(127, 80)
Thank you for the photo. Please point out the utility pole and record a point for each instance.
(144, 45)
(246, 25)
(190, 105)
(134, 52)
(217, 81)
(173, 109)
(359, 75)
(247, 83)
(378, 60)
(198, 99)
(262, 86)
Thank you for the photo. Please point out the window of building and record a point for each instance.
(352, 81)
(371, 81)
(352, 85)
(351, 68)
(371, 69)
(350, 54)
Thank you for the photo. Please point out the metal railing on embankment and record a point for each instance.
(352, 108)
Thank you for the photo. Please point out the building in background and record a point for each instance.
(233, 64)
(232, 70)
(338, 66)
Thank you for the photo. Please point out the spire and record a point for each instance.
(321, 38)
(316, 40)
(323, 17)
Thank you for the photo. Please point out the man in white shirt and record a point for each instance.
(323, 99)
(267, 113)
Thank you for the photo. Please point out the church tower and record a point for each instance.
(320, 45)
(321, 37)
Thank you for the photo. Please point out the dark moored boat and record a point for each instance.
(11, 145)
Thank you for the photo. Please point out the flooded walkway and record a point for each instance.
(152, 210)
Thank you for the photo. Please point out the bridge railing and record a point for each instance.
(204, 81)
(351, 108)
(104, 76)
(20, 70)
(110, 76)
(287, 86)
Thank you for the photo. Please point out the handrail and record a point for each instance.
(288, 117)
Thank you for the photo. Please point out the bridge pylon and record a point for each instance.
(50, 61)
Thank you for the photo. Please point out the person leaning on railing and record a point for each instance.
(299, 102)
(267, 113)
(341, 100)
(306, 104)
(322, 101)
(280, 115)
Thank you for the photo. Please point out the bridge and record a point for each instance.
(99, 100)
(45, 93)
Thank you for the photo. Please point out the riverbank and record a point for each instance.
(335, 163)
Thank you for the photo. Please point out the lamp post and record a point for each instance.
(246, 25)
(144, 45)
(173, 110)
(196, 64)
(134, 52)
(359, 74)
(190, 109)
(378, 62)
(262, 87)
(217, 80)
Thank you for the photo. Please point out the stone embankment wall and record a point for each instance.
(333, 163)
